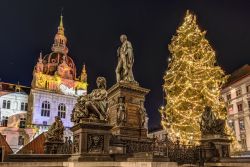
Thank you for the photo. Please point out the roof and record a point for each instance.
(237, 75)
(6, 88)
(35, 146)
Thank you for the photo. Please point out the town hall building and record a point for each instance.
(55, 87)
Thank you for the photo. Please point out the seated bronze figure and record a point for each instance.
(55, 132)
(92, 106)
(210, 125)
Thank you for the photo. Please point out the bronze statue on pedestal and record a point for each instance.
(55, 132)
(210, 125)
(92, 106)
(54, 137)
(125, 61)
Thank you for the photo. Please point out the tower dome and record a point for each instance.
(56, 71)
(58, 62)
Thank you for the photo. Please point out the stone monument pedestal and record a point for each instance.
(147, 157)
(127, 125)
(91, 140)
(51, 147)
(215, 147)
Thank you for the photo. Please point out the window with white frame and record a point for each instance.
(20, 140)
(242, 124)
(6, 104)
(62, 110)
(231, 109)
(231, 123)
(248, 88)
(26, 107)
(238, 92)
(4, 122)
(228, 96)
(22, 106)
(240, 108)
(22, 123)
(45, 111)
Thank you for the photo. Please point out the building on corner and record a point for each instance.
(236, 94)
(13, 111)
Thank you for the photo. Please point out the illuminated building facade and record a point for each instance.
(236, 94)
(55, 86)
(13, 111)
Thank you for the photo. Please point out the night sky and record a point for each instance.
(93, 28)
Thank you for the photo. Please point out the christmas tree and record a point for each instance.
(191, 82)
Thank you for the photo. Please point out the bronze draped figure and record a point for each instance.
(93, 105)
(210, 125)
(125, 56)
(55, 132)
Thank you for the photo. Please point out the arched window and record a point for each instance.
(8, 104)
(45, 109)
(61, 110)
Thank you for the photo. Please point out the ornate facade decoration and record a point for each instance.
(125, 55)
(92, 106)
(95, 143)
(121, 112)
(76, 143)
(142, 114)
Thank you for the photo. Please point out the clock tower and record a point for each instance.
(55, 86)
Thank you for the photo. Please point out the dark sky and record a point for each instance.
(93, 28)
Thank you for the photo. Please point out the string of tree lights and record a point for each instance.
(192, 81)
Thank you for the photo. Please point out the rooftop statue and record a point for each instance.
(92, 106)
(209, 125)
(55, 132)
(125, 61)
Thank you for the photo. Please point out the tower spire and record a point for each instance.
(61, 21)
(60, 40)
(60, 27)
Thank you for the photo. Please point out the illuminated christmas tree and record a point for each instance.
(192, 81)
